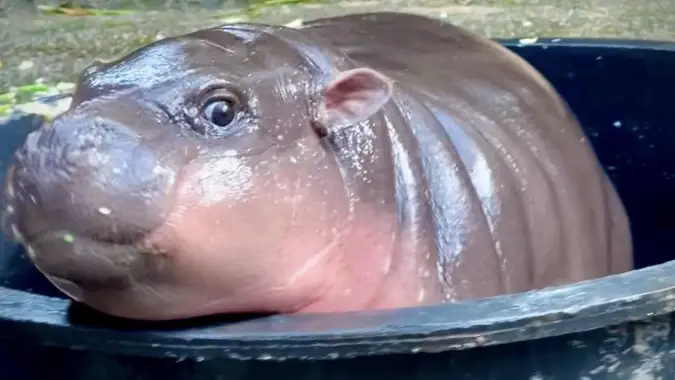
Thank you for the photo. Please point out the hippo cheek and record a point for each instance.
(253, 237)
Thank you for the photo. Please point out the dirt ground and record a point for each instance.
(54, 48)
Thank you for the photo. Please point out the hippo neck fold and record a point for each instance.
(382, 171)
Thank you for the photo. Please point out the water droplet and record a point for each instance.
(420, 296)
(16, 233)
(68, 238)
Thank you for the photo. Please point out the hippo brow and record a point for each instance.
(260, 75)
(314, 56)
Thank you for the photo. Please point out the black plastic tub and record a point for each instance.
(619, 327)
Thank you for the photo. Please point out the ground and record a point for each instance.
(50, 48)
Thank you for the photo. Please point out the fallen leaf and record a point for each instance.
(8, 98)
(5, 109)
(49, 112)
(30, 89)
(297, 23)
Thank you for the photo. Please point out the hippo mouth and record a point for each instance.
(75, 263)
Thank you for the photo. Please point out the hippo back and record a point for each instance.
(488, 151)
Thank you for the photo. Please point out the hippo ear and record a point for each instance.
(353, 96)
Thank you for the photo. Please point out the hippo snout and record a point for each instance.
(82, 193)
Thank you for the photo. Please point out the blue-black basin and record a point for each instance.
(619, 327)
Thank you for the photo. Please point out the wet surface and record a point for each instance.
(60, 46)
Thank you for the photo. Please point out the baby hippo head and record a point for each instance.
(193, 177)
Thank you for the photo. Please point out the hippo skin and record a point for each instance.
(361, 162)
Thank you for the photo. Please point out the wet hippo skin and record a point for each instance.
(361, 162)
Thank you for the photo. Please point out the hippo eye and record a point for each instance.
(220, 112)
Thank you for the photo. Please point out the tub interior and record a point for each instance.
(621, 93)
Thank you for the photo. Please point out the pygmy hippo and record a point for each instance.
(360, 162)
